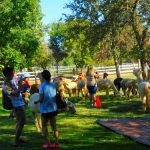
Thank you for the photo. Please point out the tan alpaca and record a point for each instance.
(147, 102)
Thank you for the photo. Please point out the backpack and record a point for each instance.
(60, 103)
(6, 101)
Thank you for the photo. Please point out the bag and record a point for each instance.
(60, 103)
(98, 103)
(6, 101)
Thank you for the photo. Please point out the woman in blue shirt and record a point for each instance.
(48, 108)
(13, 91)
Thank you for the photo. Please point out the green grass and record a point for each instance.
(80, 131)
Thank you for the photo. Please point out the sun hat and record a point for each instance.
(25, 75)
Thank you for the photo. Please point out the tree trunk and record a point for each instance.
(57, 64)
(144, 69)
(117, 67)
(115, 60)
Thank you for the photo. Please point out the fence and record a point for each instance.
(68, 71)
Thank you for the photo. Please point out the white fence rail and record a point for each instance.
(68, 71)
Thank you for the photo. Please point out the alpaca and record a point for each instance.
(65, 84)
(129, 85)
(143, 88)
(81, 87)
(106, 84)
(147, 104)
(71, 87)
(35, 108)
(117, 83)
(81, 84)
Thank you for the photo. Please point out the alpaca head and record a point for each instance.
(34, 88)
(137, 72)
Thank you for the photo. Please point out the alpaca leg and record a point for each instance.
(128, 92)
(69, 91)
(36, 121)
(144, 104)
(39, 121)
(124, 91)
(78, 92)
(107, 94)
(82, 91)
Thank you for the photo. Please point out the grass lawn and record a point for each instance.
(80, 131)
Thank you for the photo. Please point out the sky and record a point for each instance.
(53, 10)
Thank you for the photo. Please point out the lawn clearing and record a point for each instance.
(80, 131)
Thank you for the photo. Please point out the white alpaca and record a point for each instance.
(35, 108)
(71, 87)
(143, 87)
(106, 84)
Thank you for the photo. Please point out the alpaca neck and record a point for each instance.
(139, 79)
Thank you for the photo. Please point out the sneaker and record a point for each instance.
(45, 146)
(56, 145)
(52, 145)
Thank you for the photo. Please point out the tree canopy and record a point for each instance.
(20, 31)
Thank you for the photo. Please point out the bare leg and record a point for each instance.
(93, 99)
(45, 129)
(54, 128)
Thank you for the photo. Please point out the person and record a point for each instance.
(91, 85)
(25, 86)
(96, 75)
(48, 108)
(105, 75)
(10, 88)
(61, 104)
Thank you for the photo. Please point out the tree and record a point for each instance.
(110, 18)
(57, 39)
(103, 24)
(43, 57)
(140, 22)
(20, 30)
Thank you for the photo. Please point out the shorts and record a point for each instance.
(92, 89)
(49, 115)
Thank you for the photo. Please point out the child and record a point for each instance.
(48, 108)
(25, 86)
(105, 75)
(61, 104)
